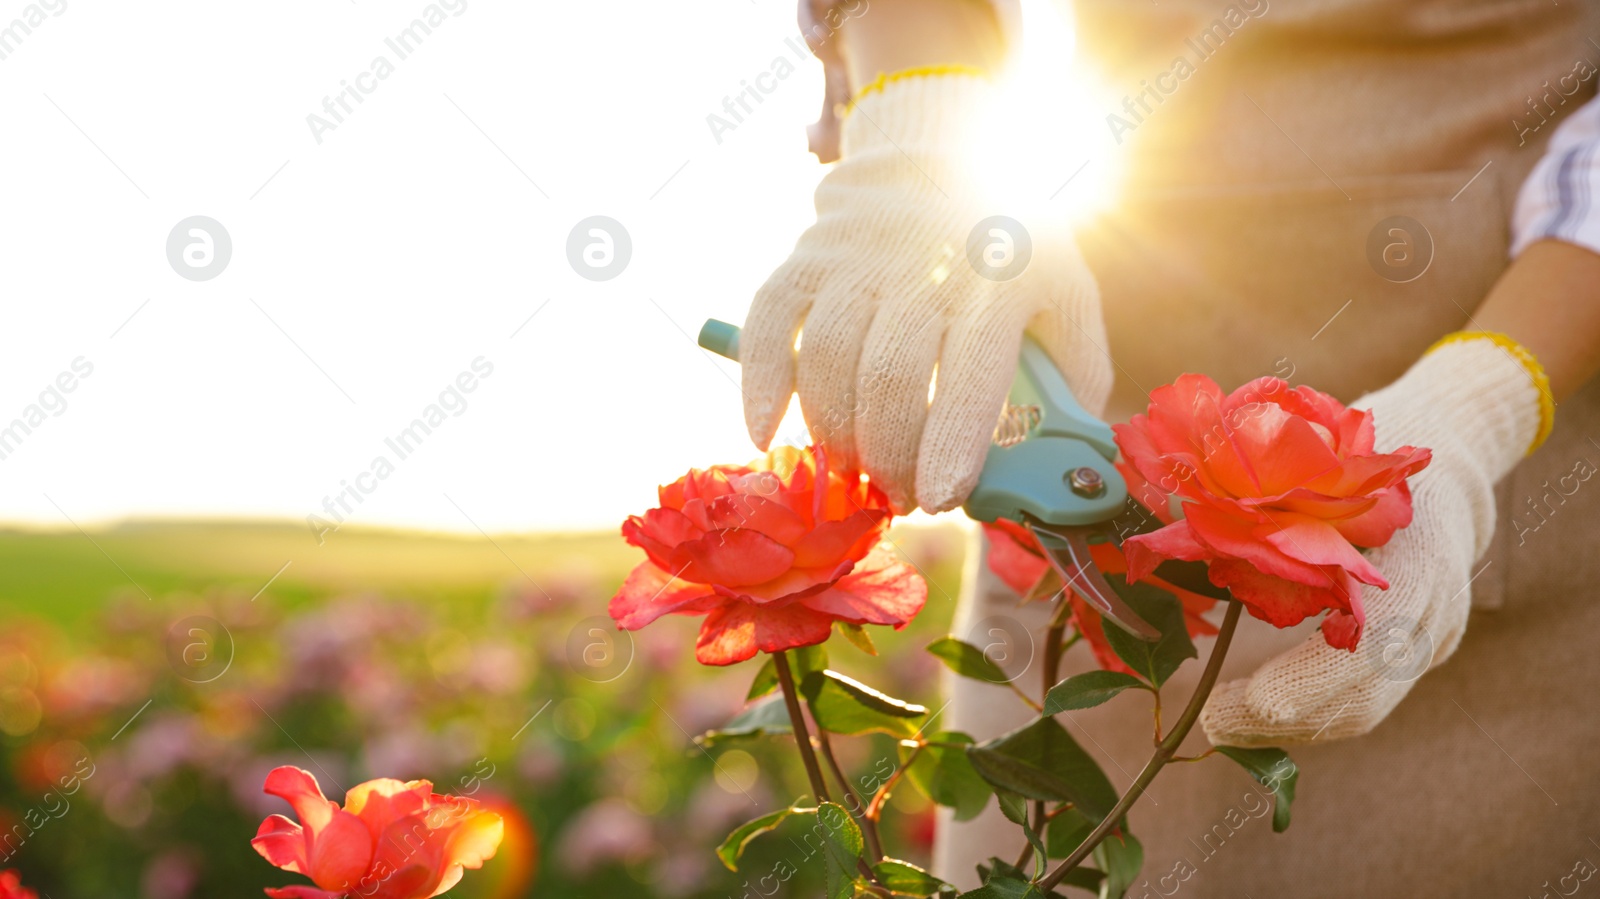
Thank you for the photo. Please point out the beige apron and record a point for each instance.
(1242, 249)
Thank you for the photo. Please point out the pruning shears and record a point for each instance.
(1049, 469)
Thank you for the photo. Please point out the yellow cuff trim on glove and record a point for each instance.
(1541, 381)
(884, 79)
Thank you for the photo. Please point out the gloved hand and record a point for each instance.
(1480, 403)
(883, 289)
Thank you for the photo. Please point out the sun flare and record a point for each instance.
(1040, 153)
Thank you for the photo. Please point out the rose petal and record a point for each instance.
(1362, 475)
(299, 788)
(735, 631)
(1278, 602)
(1301, 402)
(649, 593)
(849, 538)
(659, 530)
(734, 558)
(1015, 564)
(303, 892)
(1355, 433)
(1190, 421)
(1342, 630)
(769, 517)
(475, 841)
(1175, 541)
(1145, 492)
(1231, 537)
(881, 590)
(1284, 451)
(379, 802)
(1318, 543)
(282, 843)
(1390, 512)
(341, 852)
(1316, 505)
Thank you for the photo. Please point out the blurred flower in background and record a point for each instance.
(472, 685)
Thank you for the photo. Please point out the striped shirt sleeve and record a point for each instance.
(1561, 198)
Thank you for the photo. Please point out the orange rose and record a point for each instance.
(1278, 486)
(771, 553)
(391, 840)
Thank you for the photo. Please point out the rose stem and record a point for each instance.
(1163, 753)
(869, 826)
(1054, 646)
(875, 807)
(802, 739)
(802, 736)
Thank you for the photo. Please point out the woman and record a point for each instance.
(1326, 189)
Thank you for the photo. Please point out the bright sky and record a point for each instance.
(368, 271)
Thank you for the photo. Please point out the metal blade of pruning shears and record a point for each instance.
(1067, 551)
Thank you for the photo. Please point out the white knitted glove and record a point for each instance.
(1476, 403)
(884, 289)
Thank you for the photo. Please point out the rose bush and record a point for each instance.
(1277, 487)
(391, 840)
(772, 554)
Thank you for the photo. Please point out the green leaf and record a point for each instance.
(733, 846)
(945, 775)
(1081, 877)
(967, 660)
(1273, 769)
(1015, 808)
(1042, 761)
(845, 843)
(998, 867)
(845, 706)
(766, 681)
(907, 879)
(1084, 879)
(807, 659)
(858, 636)
(1066, 832)
(1155, 661)
(1087, 690)
(802, 661)
(1004, 885)
(1122, 858)
(763, 718)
